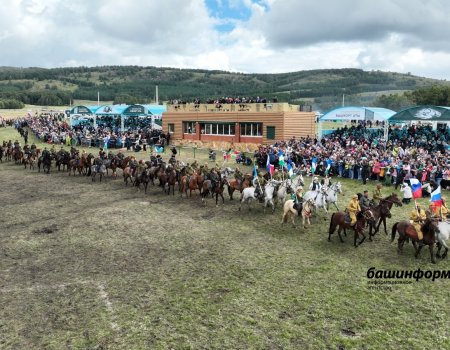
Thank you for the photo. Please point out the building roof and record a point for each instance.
(422, 113)
(358, 113)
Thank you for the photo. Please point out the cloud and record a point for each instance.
(293, 23)
(265, 36)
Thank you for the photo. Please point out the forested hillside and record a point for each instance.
(132, 84)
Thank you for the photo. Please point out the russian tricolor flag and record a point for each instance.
(436, 197)
(416, 187)
(270, 168)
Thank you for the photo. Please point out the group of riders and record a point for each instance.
(359, 202)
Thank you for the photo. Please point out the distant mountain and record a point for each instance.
(322, 88)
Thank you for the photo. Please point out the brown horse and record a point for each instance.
(339, 219)
(195, 183)
(234, 185)
(406, 231)
(171, 180)
(218, 190)
(390, 201)
(380, 213)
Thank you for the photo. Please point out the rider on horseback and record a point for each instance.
(315, 186)
(259, 184)
(377, 195)
(353, 208)
(238, 176)
(364, 201)
(133, 165)
(417, 217)
(298, 199)
(214, 177)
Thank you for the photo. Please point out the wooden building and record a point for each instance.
(238, 123)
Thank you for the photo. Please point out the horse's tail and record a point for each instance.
(394, 231)
(332, 227)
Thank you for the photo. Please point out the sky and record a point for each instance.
(251, 36)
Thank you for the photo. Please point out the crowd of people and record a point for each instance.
(226, 100)
(357, 153)
(54, 129)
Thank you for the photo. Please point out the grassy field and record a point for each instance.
(102, 266)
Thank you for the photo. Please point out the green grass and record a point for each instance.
(118, 269)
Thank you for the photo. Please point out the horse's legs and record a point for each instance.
(363, 239)
(339, 233)
(418, 251)
(433, 260)
(438, 253)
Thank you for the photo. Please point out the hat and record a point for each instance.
(355, 196)
(299, 188)
(315, 178)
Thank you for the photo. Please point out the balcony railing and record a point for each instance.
(236, 107)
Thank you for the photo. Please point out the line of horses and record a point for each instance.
(274, 192)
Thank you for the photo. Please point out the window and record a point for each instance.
(218, 129)
(251, 129)
(171, 128)
(270, 133)
(189, 127)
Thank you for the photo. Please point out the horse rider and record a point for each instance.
(159, 160)
(277, 175)
(204, 170)
(298, 199)
(315, 186)
(364, 201)
(153, 160)
(33, 149)
(440, 211)
(217, 168)
(16, 145)
(133, 165)
(188, 171)
(26, 149)
(214, 177)
(102, 154)
(377, 196)
(417, 217)
(98, 164)
(194, 165)
(140, 168)
(353, 208)
(326, 181)
(260, 183)
(238, 176)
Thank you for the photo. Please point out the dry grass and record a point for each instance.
(102, 266)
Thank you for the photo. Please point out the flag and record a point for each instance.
(159, 149)
(271, 169)
(290, 169)
(314, 165)
(416, 188)
(436, 197)
(268, 163)
(281, 159)
(255, 173)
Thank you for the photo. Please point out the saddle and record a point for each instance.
(298, 207)
(347, 218)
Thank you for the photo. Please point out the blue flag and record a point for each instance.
(255, 173)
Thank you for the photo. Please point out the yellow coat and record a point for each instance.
(353, 206)
(418, 216)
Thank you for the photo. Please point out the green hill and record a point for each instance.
(132, 84)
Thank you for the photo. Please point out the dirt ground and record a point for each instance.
(103, 266)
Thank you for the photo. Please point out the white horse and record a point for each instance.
(247, 195)
(290, 211)
(289, 186)
(325, 197)
(269, 191)
(442, 236)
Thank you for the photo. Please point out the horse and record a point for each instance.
(31, 160)
(2, 151)
(380, 213)
(62, 158)
(286, 187)
(407, 231)
(144, 179)
(291, 210)
(171, 180)
(247, 195)
(339, 219)
(234, 185)
(195, 183)
(269, 191)
(325, 196)
(442, 236)
(46, 161)
(390, 201)
(98, 167)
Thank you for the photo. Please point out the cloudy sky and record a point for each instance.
(236, 35)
